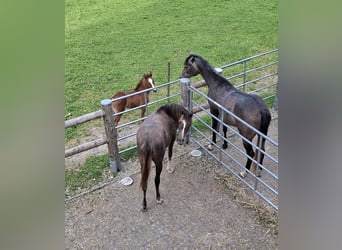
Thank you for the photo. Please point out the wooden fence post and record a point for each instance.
(111, 133)
(186, 100)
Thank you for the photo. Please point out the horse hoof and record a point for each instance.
(160, 201)
(210, 147)
(224, 146)
(243, 174)
(170, 170)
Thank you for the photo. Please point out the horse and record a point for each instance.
(154, 135)
(250, 108)
(118, 106)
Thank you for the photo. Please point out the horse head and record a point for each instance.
(148, 77)
(184, 123)
(190, 67)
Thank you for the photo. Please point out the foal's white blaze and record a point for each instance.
(183, 129)
(151, 82)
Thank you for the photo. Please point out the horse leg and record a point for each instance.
(117, 119)
(249, 150)
(118, 107)
(142, 112)
(144, 199)
(159, 168)
(225, 144)
(169, 166)
(145, 163)
(144, 188)
(214, 125)
(261, 156)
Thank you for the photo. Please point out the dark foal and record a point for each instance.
(154, 135)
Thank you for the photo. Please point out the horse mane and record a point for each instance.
(220, 79)
(173, 110)
(205, 62)
(143, 80)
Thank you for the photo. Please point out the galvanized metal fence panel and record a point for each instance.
(234, 158)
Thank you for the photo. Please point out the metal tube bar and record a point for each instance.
(248, 59)
(127, 149)
(126, 136)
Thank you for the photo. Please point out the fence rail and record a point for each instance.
(84, 118)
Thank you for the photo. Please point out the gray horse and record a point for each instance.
(250, 108)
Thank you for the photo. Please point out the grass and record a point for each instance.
(109, 45)
(125, 156)
(200, 124)
(89, 175)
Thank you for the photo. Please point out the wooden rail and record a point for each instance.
(84, 118)
(85, 146)
(199, 84)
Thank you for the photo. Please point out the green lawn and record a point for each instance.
(109, 45)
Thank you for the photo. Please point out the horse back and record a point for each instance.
(119, 94)
(119, 105)
(250, 108)
(154, 137)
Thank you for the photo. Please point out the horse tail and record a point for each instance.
(264, 124)
(265, 121)
(145, 162)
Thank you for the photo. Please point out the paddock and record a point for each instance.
(206, 203)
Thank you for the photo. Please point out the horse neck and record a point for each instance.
(175, 116)
(141, 85)
(173, 112)
(210, 75)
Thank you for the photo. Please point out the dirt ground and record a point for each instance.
(204, 207)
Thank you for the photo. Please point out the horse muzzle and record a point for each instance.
(180, 141)
(183, 75)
